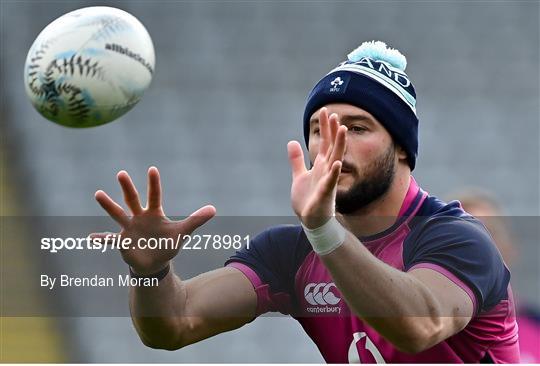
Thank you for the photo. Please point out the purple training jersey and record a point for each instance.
(290, 278)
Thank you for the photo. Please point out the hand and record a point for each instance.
(148, 222)
(313, 192)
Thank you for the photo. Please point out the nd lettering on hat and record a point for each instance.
(372, 78)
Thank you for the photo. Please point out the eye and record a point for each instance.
(316, 131)
(358, 129)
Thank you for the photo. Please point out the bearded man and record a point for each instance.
(377, 271)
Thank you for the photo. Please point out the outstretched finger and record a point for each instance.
(154, 189)
(330, 180)
(131, 196)
(324, 131)
(339, 146)
(296, 158)
(333, 126)
(113, 209)
(197, 219)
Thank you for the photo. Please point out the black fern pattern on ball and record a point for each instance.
(51, 90)
(34, 61)
(77, 66)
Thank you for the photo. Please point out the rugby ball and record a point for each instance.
(89, 67)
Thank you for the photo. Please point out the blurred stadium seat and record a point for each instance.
(228, 93)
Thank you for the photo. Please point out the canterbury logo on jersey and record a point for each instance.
(320, 294)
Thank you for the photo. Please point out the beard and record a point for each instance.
(378, 177)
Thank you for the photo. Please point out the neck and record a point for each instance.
(381, 213)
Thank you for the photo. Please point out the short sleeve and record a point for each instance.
(270, 263)
(461, 249)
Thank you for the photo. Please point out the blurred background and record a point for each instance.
(228, 93)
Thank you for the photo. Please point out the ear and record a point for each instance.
(401, 154)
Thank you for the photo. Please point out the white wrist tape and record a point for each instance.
(326, 238)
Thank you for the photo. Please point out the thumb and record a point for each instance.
(198, 218)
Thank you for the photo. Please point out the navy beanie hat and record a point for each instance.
(373, 78)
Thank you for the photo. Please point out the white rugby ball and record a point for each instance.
(89, 66)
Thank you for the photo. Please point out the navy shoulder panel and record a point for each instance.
(445, 235)
(275, 255)
(434, 206)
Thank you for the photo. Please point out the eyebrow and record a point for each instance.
(355, 118)
(348, 119)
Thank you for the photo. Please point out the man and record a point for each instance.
(379, 271)
(485, 207)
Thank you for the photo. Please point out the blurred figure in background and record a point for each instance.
(485, 207)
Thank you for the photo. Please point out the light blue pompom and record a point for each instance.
(378, 50)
